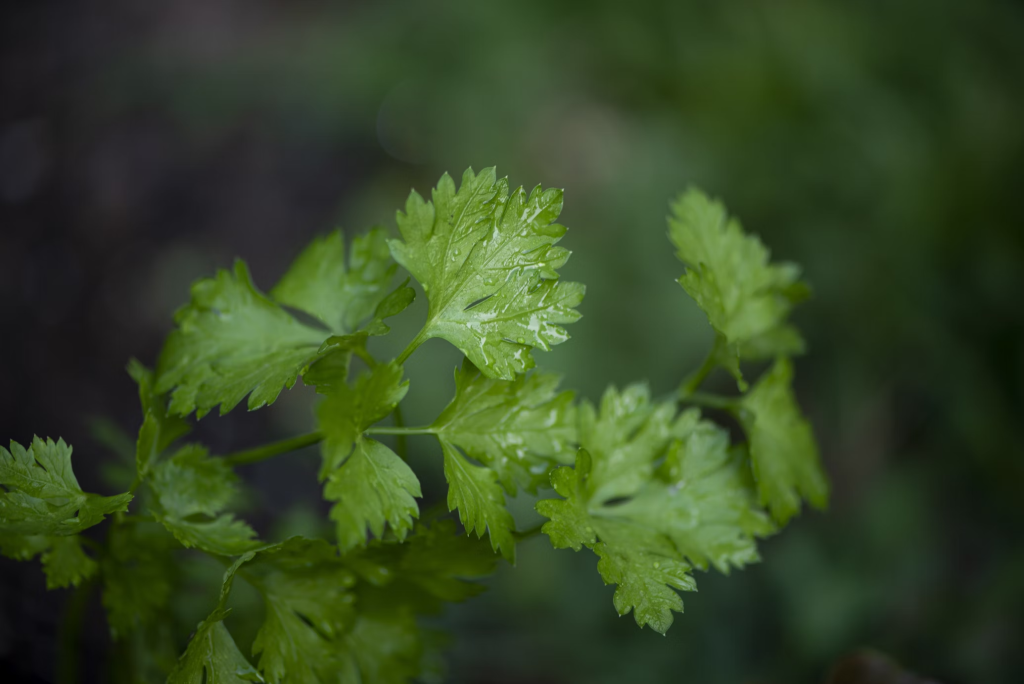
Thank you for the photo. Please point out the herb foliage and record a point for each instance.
(652, 486)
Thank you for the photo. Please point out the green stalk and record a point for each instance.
(693, 381)
(400, 431)
(273, 449)
(712, 400)
(416, 342)
(400, 442)
(70, 634)
(526, 534)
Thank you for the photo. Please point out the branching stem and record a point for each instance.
(399, 431)
(400, 442)
(693, 381)
(273, 449)
(526, 534)
(712, 400)
(416, 342)
(70, 635)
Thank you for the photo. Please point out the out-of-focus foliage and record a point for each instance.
(878, 144)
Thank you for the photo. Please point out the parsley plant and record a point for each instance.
(652, 486)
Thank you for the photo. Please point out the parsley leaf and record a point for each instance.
(436, 559)
(746, 298)
(349, 410)
(190, 482)
(138, 573)
(159, 428)
(384, 646)
(641, 561)
(517, 428)
(475, 491)
(192, 489)
(341, 296)
(703, 499)
(487, 262)
(373, 487)
(624, 438)
(64, 561)
(232, 340)
(308, 605)
(783, 452)
(212, 657)
(648, 524)
(39, 493)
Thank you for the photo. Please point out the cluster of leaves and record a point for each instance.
(653, 490)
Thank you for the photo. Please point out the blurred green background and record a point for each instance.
(879, 144)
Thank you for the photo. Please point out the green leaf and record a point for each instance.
(569, 525)
(393, 304)
(212, 657)
(223, 535)
(308, 606)
(39, 494)
(436, 559)
(729, 275)
(191, 483)
(624, 438)
(648, 572)
(63, 558)
(66, 563)
(487, 263)
(783, 452)
(641, 560)
(341, 296)
(704, 500)
(372, 488)
(191, 490)
(383, 647)
(231, 341)
(23, 547)
(138, 574)
(519, 428)
(234, 341)
(349, 410)
(475, 491)
(159, 428)
(697, 508)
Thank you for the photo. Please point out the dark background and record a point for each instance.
(880, 144)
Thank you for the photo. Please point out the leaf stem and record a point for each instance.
(70, 634)
(526, 534)
(420, 338)
(693, 381)
(400, 442)
(399, 431)
(273, 449)
(137, 518)
(712, 400)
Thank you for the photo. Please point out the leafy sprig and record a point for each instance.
(654, 489)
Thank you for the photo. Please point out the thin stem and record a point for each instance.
(273, 449)
(399, 431)
(70, 635)
(400, 442)
(416, 342)
(712, 400)
(693, 381)
(367, 358)
(136, 518)
(526, 534)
